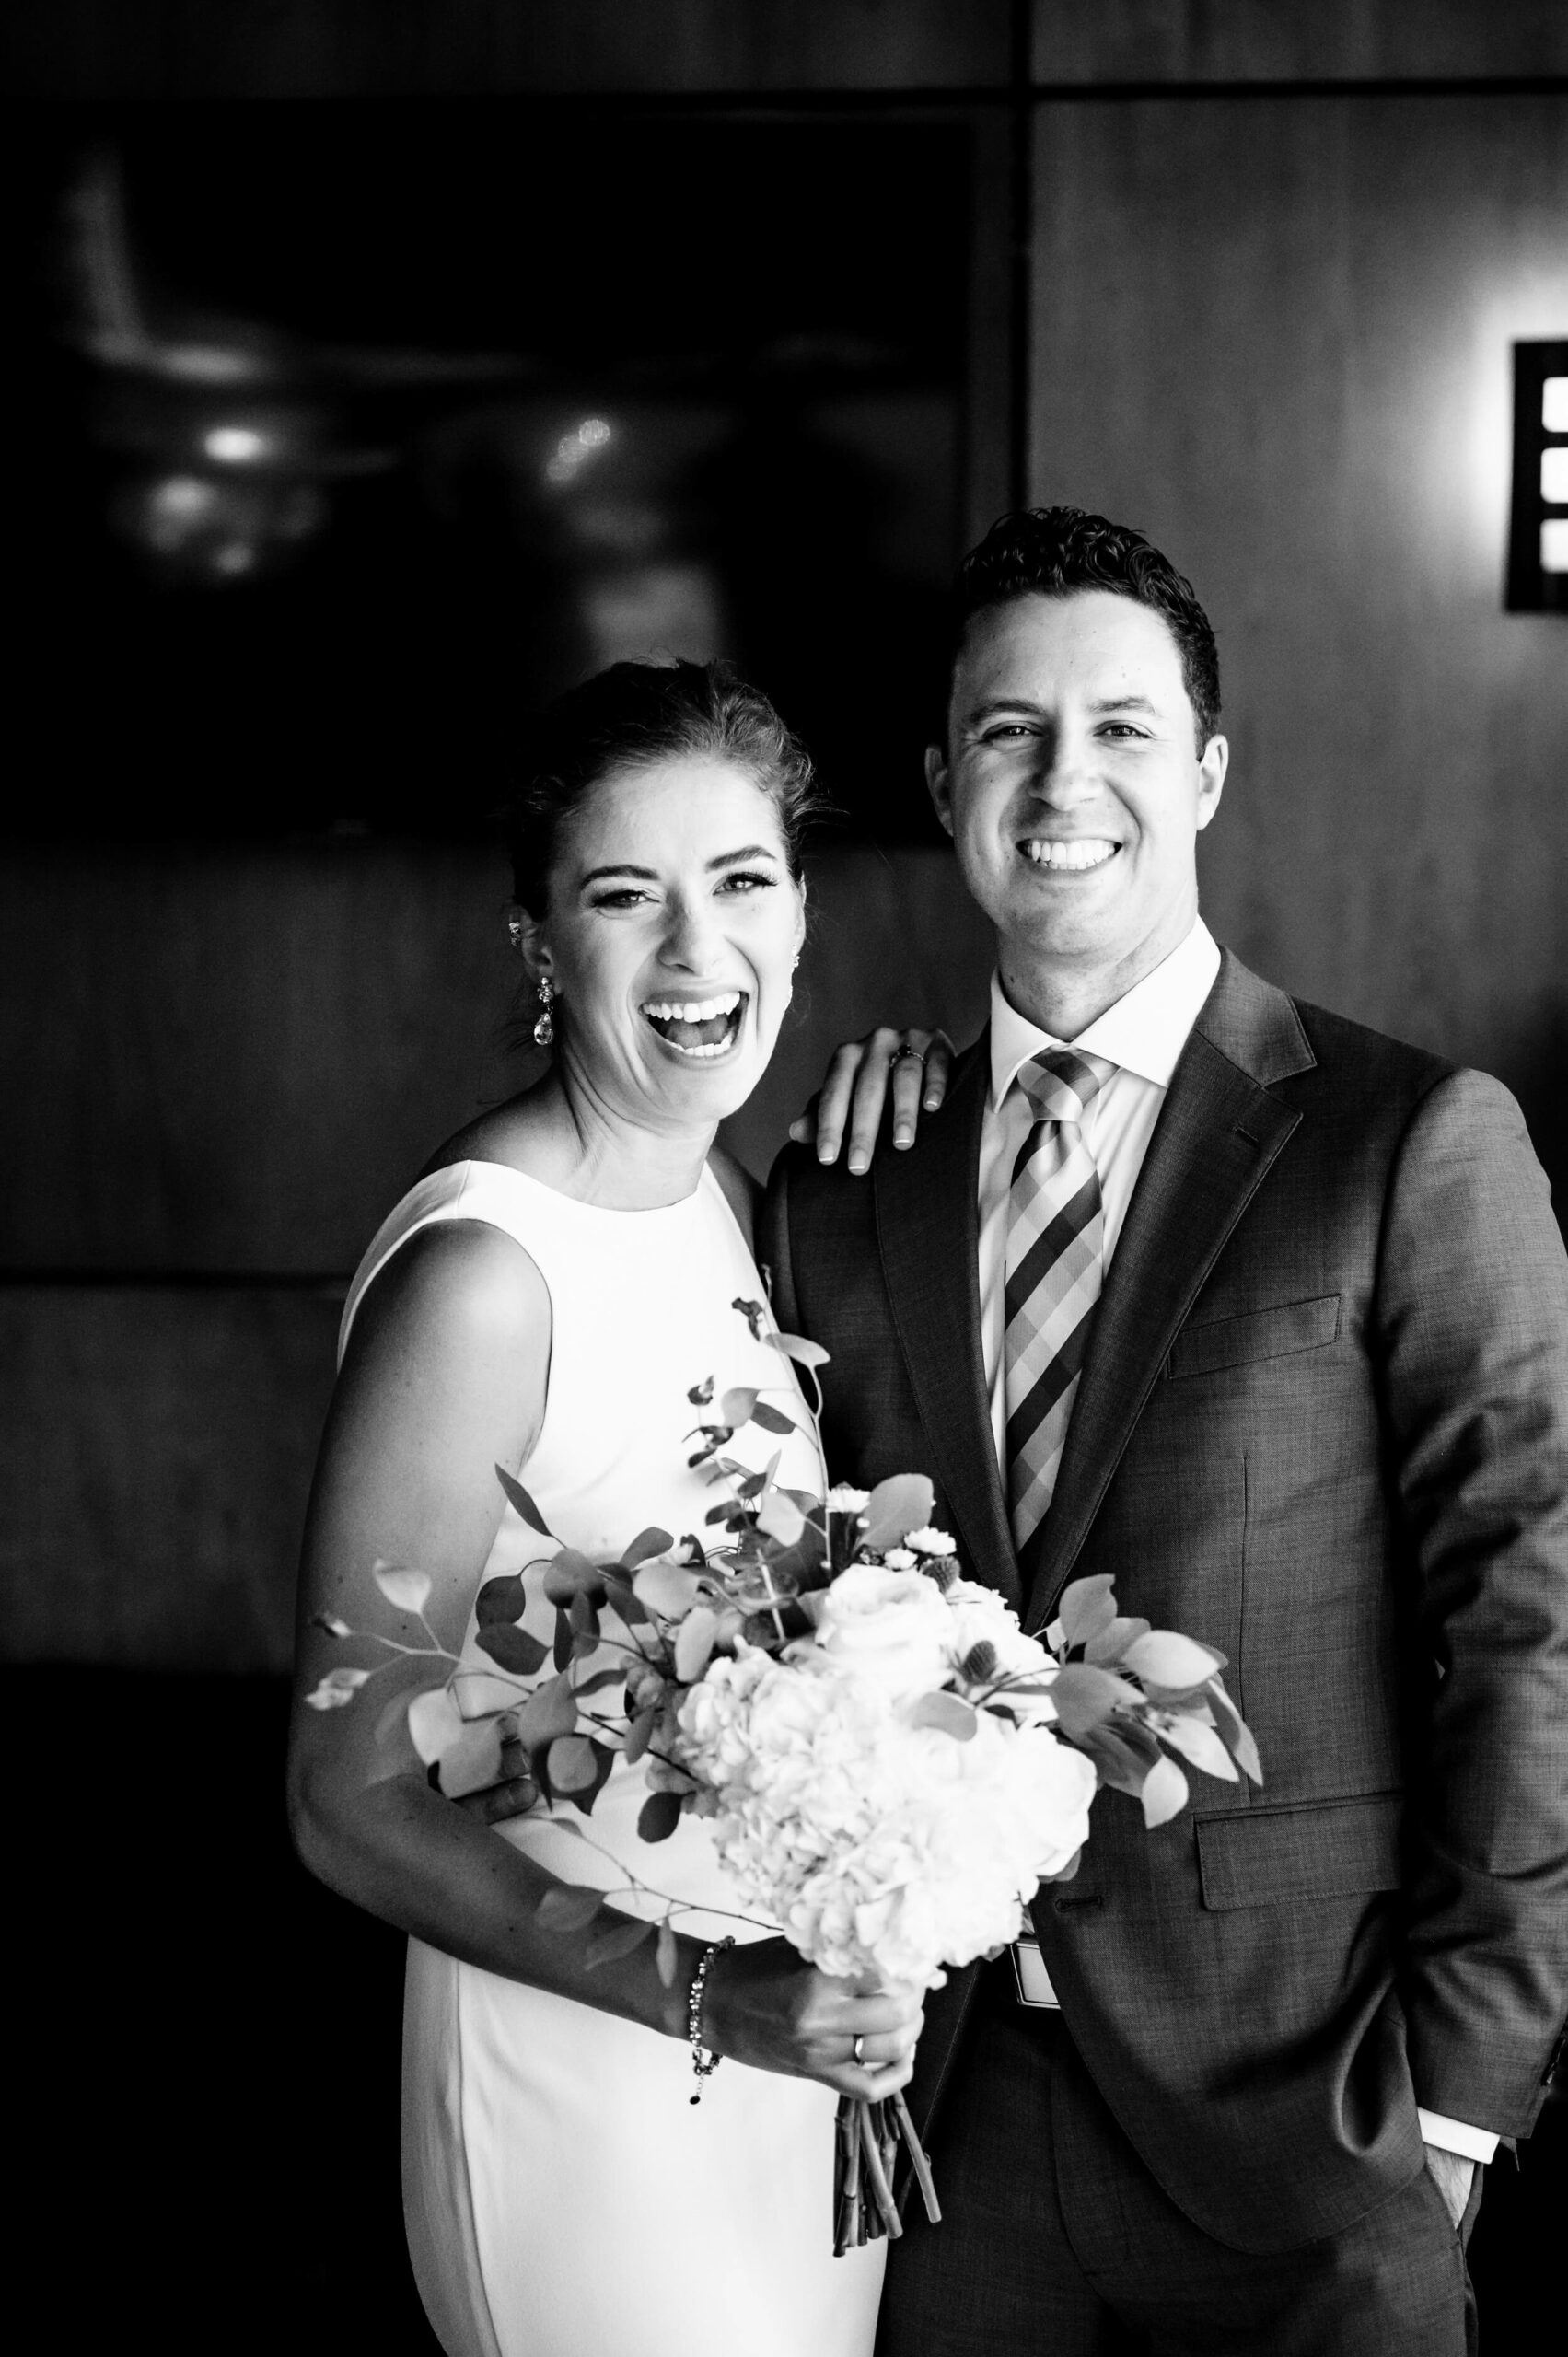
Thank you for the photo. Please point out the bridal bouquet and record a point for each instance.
(888, 1765)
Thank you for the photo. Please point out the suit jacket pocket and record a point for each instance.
(1259, 1335)
(1258, 1857)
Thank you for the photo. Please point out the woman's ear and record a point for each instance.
(524, 933)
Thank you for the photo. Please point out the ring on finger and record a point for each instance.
(906, 1050)
(857, 2054)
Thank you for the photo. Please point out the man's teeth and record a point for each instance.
(1088, 851)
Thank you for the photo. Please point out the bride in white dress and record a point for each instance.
(545, 1299)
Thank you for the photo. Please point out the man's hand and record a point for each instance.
(516, 1793)
(855, 1091)
(1453, 2175)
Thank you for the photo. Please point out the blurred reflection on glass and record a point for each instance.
(328, 399)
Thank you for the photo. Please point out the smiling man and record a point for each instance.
(1265, 1317)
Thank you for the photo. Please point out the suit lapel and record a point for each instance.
(1218, 1134)
(927, 1224)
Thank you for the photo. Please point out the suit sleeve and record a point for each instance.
(773, 1251)
(1472, 1324)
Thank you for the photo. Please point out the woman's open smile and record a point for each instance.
(699, 1028)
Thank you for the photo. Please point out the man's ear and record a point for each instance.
(1213, 763)
(938, 785)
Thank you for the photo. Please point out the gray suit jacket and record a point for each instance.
(1323, 1424)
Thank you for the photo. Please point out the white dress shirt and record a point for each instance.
(1142, 1035)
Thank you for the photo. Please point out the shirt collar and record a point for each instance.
(1144, 1032)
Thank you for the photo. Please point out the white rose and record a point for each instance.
(841, 1499)
(889, 1626)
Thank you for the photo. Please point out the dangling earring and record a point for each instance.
(544, 1028)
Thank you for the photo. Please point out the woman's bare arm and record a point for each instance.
(444, 1378)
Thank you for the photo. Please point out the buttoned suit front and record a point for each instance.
(1322, 1425)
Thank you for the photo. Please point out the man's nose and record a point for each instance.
(1060, 769)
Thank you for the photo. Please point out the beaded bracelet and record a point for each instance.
(703, 2064)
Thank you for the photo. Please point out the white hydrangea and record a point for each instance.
(878, 1845)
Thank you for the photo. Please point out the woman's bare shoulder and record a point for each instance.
(506, 1133)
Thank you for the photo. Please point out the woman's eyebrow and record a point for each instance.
(596, 875)
(747, 851)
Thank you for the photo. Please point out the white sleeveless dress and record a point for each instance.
(563, 2196)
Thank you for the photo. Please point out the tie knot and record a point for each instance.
(1062, 1083)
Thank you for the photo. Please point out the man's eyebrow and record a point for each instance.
(1125, 704)
(1003, 703)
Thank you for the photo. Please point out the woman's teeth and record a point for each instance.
(1089, 851)
(698, 1028)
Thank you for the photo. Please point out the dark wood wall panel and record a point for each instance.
(159, 1445)
(245, 1051)
(1276, 336)
(1290, 40)
(427, 48)
(238, 1058)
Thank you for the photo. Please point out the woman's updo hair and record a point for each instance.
(634, 716)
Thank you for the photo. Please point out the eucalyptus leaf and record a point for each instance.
(1085, 1697)
(601, 1679)
(571, 1574)
(608, 1946)
(949, 1712)
(781, 1518)
(561, 1651)
(1197, 1741)
(652, 1541)
(1176, 1663)
(755, 1317)
(658, 1817)
(771, 1418)
(795, 1346)
(402, 1586)
(336, 1691)
(512, 1648)
(523, 1502)
(669, 1589)
(694, 1642)
(1233, 1732)
(1113, 1640)
(474, 1763)
(736, 1406)
(572, 1763)
(568, 1909)
(905, 1502)
(502, 1598)
(1165, 1792)
(639, 1736)
(1087, 1607)
(435, 1723)
(550, 1711)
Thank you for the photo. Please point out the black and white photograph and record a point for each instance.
(783, 917)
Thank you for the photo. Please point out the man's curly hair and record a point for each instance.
(1051, 551)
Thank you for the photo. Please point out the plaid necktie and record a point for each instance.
(1056, 1260)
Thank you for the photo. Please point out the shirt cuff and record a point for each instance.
(1454, 2136)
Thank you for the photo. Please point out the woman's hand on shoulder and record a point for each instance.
(912, 1066)
(763, 2005)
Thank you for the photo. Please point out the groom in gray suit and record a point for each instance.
(1266, 1317)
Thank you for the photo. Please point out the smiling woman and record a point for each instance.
(543, 1301)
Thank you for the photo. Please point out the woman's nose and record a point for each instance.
(689, 936)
